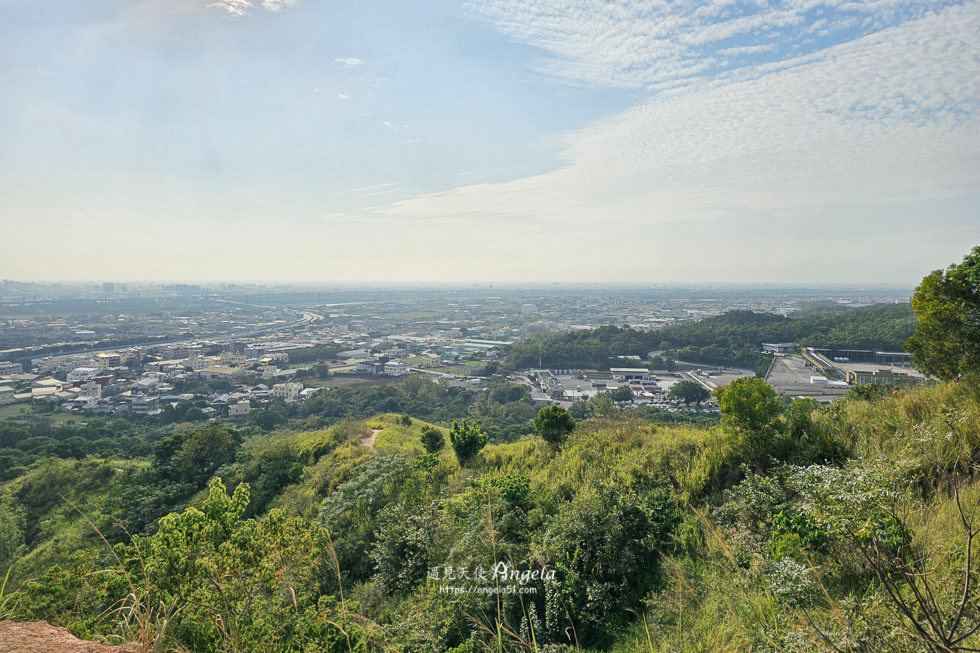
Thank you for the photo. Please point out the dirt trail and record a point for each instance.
(41, 637)
(368, 440)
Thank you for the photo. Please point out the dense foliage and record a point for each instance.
(689, 392)
(23, 443)
(313, 354)
(554, 425)
(947, 303)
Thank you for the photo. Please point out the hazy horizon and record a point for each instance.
(484, 284)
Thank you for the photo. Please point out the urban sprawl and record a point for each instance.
(280, 342)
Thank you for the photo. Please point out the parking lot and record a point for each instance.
(790, 370)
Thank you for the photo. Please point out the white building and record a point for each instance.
(85, 401)
(231, 359)
(146, 384)
(396, 368)
(287, 391)
(396, 352)
(91, 389)
(369, 367)
(82, 373)
(68, 364)
(779, 347)
(106, 360)
(219, 372)
(197, 363)
(145, 405)
(47, 384)
(629, 373)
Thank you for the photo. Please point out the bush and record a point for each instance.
(554, 425)
(432, 439)
(606, 548)
(467, 441)
(750, 409)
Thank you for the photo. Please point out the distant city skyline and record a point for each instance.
(488, 141)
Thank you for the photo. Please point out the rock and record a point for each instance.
(41, 637)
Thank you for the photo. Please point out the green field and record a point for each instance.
(23, 411)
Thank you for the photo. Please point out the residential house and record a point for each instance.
(144, 404)
(287, 391)
(370, 367)
(396, 368)
(239, 410)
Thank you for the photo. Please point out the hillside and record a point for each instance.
(632, 536)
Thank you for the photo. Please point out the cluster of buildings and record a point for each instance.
(239, 339)
(143, 380)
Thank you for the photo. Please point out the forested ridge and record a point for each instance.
(732, 339)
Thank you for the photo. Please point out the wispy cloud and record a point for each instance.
(233, 7)
(348, 62)
(341, 96)
(890, 117)
(747, 49)
(241, 7)
(278, 5)
(654, 44)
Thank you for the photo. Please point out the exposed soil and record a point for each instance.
(41, 637)
(367, 441)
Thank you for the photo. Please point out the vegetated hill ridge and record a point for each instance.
(663, 538)
(732, 339)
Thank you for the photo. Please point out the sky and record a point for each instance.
(793, 142)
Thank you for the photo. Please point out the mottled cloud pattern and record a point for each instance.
(887, 117)
(241, 7)
(661, 44)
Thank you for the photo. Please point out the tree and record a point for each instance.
(432, 439)
(267, 419)
(622, 393)
(664, 362)
(690, 392)
(602, 406)
(946, 342)
(194, 456)
(750, 409)
(554, 424)
(467, 440)
(404, 548)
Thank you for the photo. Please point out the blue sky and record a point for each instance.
(801, 141)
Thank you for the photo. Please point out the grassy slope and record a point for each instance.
(710, 604)
(60, 501)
